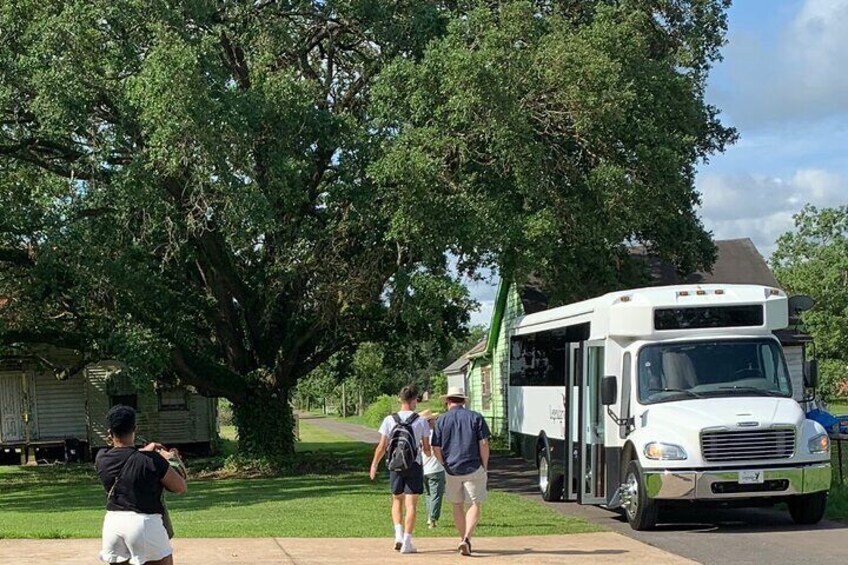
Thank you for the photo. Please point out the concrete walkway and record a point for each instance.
(600, 548)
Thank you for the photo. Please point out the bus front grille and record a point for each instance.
(748, 444)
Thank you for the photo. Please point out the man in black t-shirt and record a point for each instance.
(134, 479)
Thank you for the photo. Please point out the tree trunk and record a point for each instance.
(265, 423)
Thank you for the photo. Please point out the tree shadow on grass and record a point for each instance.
(204, 494)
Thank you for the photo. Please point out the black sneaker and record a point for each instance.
(398, 545)
(465, 547)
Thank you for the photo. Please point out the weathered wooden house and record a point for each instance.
(485, 375)
(41, 414)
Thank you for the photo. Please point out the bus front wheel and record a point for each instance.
(808, 509)
(550, 482)
(640, 510)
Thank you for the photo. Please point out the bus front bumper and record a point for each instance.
(755, 483)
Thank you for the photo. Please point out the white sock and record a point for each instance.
(398, 532)
(407, 538)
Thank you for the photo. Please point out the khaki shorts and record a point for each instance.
(468, 489)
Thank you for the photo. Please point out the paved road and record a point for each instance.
(353, 431)
(740, 537)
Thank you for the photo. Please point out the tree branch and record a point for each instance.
(58, 338)
(15, 256)
(234, 56)
(210, 379)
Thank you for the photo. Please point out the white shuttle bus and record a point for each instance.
(650, 397)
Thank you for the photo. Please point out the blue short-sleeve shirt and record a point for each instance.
(458, 432)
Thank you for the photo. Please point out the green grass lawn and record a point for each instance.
(68, 502)
(840, 408)
(837, 503)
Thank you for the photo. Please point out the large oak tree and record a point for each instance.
(226, 193)
(812, 259)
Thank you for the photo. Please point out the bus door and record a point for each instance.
(591, 467)
(574, 372)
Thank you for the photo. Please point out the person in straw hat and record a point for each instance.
(434, 476)
(461, 443)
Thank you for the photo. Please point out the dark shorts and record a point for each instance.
(408, 482)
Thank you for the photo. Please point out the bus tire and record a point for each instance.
(550, 482)
(641, 511)
(808, 509)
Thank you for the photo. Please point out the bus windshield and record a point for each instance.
(707, 369)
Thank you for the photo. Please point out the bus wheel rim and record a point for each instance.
(543, 474)
(631, 490)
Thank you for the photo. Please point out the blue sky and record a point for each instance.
(783, 84)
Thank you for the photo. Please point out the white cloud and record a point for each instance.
(762, 207)
(800, 75)
(483, 316)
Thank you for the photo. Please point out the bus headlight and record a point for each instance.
(664, 451)
(819, 444)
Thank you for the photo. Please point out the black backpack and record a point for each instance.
(403, 447)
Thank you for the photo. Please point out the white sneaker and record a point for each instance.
(408, 547)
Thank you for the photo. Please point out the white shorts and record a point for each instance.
(468, 489)
(129, 537)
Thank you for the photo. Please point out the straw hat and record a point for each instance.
(428, 414)
(455, 392)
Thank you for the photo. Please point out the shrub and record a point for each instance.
(833, 379)
(225, 412)
(438, 385)
(378, 410)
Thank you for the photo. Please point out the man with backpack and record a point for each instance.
(403, 437)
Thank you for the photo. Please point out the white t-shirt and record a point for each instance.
(431, 464)
(419, 427)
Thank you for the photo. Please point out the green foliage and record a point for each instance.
(439, 384)
(379, 409)
(813, 260)
(377, 368)
(225, 412)
(265, 426)
(833, 379)
(570, 130)
(228, 194)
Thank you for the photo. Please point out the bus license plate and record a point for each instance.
(751, 477)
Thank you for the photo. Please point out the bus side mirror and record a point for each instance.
(811, 373)
(609, 391)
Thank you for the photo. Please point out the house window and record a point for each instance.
(172, 399)
(130, 400)
(486, 386)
